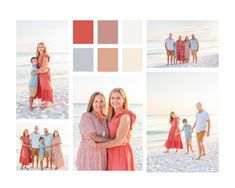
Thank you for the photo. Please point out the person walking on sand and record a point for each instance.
(194, 46)
(202, 126)
(169, 46)
(174, 137)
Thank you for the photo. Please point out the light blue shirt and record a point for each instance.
(47, 139)
(34, 137)
(33, 81)
(187, 131)
(41, 149)
(201, 121)
(194, 44)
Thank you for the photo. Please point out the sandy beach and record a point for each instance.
(157, 161)
(206, 61)
(57, 110)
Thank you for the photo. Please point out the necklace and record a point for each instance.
(100, 119)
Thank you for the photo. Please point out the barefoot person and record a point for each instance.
(202, 127)
(174, 138)
(169, 46)
(194, 46)
(180, 50)
(120, 122)
(44, 85)
(56, 151)
(93, 122)
(186, 50)
(34, 141)
(25, 155)
(188, 135)
(47, 142)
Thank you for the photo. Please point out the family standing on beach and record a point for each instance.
(105, 138)
(179, 50)
(46, 146)
(201, 125)
(40, 79)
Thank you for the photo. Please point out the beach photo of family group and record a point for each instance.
(182, 44)
(42, 70)
(42, 146)
(182, 122)
(108, 123)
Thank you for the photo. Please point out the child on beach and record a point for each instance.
(41, 151)
(188, 135)
(33, 82)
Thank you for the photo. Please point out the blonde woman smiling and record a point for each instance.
(120, 123)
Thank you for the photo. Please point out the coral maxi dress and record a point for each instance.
(44, 81)
(174, 140)
(120, 157)
(25, 154)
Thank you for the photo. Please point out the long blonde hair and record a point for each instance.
(171, 118)
(125, 104)
(45, 49)
(91, 101)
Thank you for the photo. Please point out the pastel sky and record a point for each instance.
(133, 85)
(180, 92)
(203, 30)
(30, 33)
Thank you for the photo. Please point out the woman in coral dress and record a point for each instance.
(120, 123)
(56, 152)
(186, 50)
(25, 154)
(93, 123)
(44, 77)
(180, 50)
(174, 138)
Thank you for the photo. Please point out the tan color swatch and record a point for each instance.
(107, 59)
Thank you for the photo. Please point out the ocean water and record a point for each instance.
(136, 140)
(158, 127)
(58, 65)
(156, 53)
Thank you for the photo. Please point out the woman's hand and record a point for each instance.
(91, 142)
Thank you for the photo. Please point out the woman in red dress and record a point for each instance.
(25, 154)
(120, 123)
(44, 77)
(180, 50)
(174, 138)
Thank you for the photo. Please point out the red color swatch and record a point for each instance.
(82, 32)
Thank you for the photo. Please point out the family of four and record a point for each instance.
(40, 79)
(202, 127)
(179, 51)
(46, 146)
(105, 137)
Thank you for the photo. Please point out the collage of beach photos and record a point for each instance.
(117, 95)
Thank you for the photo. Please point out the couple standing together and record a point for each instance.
(39, 146)
(105, 138)
(201, 125)
(180, 50)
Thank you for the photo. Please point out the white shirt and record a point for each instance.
(201, 121)
(34, 137)
(170, 44)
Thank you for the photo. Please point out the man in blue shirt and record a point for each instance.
(194, 46)
(47, 141)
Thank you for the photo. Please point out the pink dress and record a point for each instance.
(186, 51)
(56, 153)
(174, 140)
(44, 82)
(90, 158)
(180, 50)
(120, 157)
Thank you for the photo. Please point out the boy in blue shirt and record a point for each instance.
(41, 151)
(188, 135)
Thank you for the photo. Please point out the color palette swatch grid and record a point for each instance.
(117, 45)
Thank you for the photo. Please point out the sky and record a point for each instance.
(179, 92)
(30, 33)
(203, 30)
(133, 85)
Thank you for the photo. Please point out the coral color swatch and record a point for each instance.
(83, 32)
